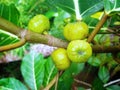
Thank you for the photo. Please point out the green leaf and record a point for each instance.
(112, 6)
(94, 61)
(4, 88)
(33, 70)
(10, 13)
(97, 84)
(90, 7)
(58, 25)
(6, 38)
(104, 39)
(81, 88)
(12, 84)
(103, 74)
(50, 71)
(69, 7)
(113, 87)
(50, 14)
(66, 80)
(75, 68)
(86, 7)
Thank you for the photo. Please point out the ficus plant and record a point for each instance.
(59, 44)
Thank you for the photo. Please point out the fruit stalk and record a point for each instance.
(97, 28)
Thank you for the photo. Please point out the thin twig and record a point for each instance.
(113, 32)
(112, 82)
(56, 84)
(97, 28)
(52, 82)
(82, 82)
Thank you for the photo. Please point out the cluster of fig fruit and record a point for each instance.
(78, 50)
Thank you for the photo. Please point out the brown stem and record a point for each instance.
(50, 40)
(31, 36)
(96, 49)
(12, 46)
(8, 26)
(56, 84)
(45, 39)
(105, 49)
(97, 28)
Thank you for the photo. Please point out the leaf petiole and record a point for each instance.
(77, 11)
